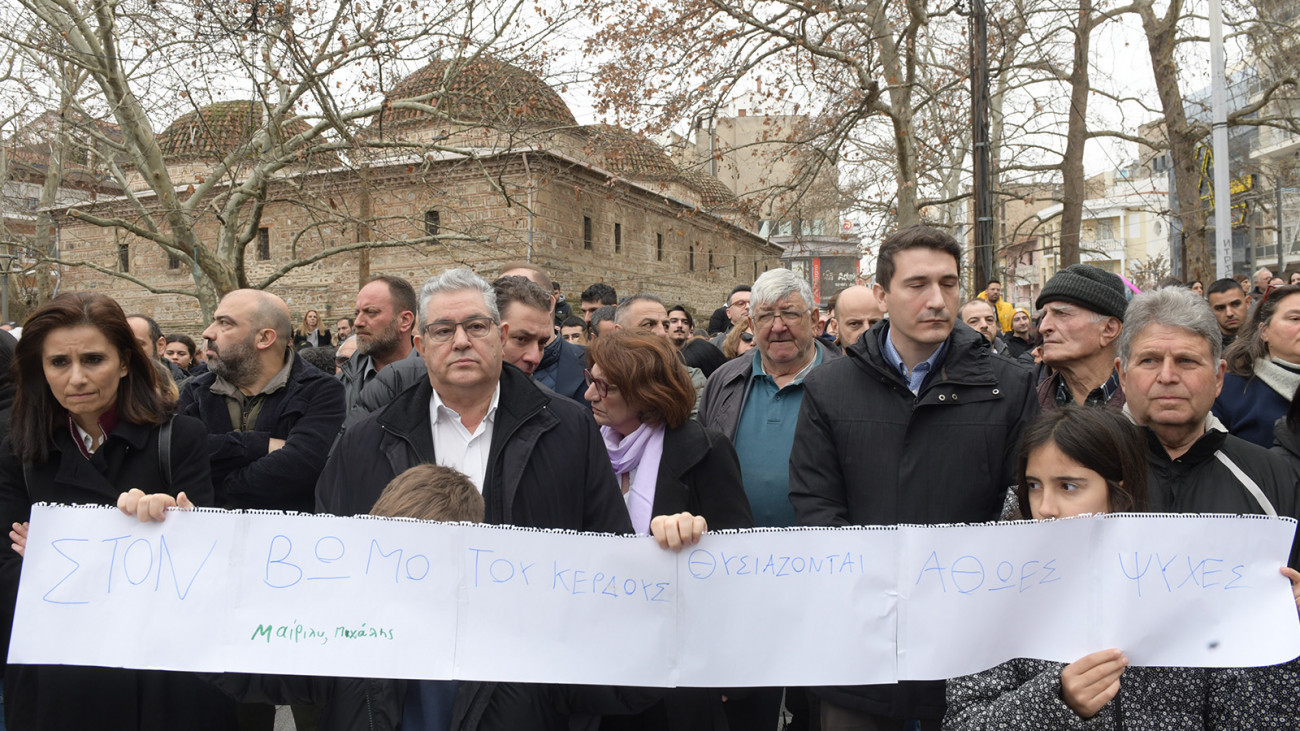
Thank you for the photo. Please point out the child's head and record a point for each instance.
(430, 492)
(1081, 459)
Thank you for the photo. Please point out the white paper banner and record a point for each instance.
(361, 597)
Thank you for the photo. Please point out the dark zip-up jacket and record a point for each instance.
(869, 452)
(1197, 482)
(547, 465)
(306, 413)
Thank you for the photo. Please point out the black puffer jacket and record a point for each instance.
(1025, 695)
(869, 452)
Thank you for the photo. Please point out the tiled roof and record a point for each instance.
(713, 192)
(483, 91)
(28, 152)
(215, 130)
(629, 154)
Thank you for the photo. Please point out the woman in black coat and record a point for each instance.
(641, 395)
(312, 334)
(667, 464)
(88, 419)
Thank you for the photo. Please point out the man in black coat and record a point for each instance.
(562, 362)
(1169, 362)
(271, 416)
(1171, 370)
(537, 457)
(919, 423)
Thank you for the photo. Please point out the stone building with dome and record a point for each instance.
(472, 165)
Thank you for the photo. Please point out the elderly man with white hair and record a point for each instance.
(754, 400)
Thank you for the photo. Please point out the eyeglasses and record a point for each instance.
(339, 360)
(747, 337)
(789, 317)
(477, 327)
(602, 386)
(739, 303)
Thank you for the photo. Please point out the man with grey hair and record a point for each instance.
(644, 313)
(525, 312)
(1082, 315)
(552, 476)
(602, 321)
(754, 400)
(1169, 363)
(1262, 277)
(271, 417)
(536, 457)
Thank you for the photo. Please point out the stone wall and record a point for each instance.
(482, 206)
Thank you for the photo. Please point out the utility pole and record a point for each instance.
(979, 88)
(1222, 179)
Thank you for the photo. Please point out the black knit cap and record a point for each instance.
(1089, 287)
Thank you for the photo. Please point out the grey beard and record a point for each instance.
(239, 373)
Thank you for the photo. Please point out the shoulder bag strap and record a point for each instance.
(1248, 483)
(165, 452)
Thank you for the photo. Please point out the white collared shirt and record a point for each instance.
(87, 439)
(454, 446)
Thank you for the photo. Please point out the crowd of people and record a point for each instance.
(497, 402)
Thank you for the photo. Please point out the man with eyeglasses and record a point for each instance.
(526, 311)
(737, 312)
(918, 423)
(754, 400)
(537, 458)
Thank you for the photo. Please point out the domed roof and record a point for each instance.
(215, 130)
(482, 91)
(624, 152)
(713, 192)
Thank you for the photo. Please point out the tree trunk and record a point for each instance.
(1072, 175)
(44, 239)
(1161, 43)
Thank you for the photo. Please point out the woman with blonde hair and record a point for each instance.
(739, 340)
(313, 334)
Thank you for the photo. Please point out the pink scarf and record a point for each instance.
(641, 451)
